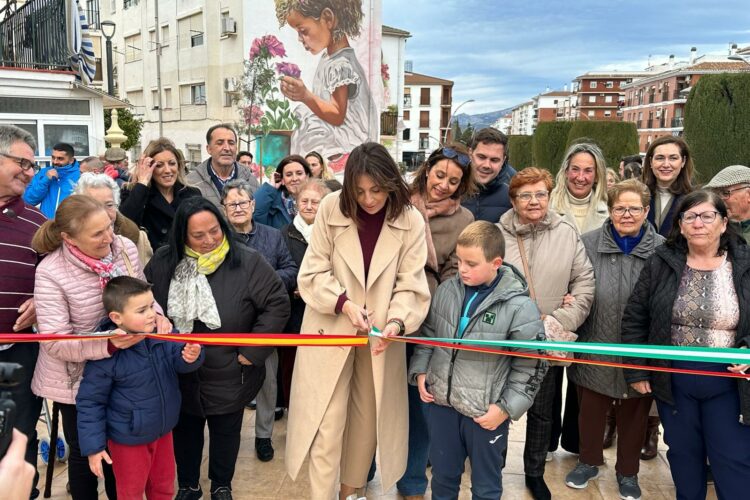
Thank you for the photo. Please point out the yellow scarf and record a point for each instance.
(209, 262)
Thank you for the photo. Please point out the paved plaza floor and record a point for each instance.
(258, 480)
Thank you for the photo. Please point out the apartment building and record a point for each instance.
(522, 119)
(600, 94)
(428, 102)
(557, 105)
(393, 73)
(656, 103)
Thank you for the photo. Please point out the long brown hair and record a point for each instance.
(467, 187)
(683, 184)
(159, 146)
(372, 159)
(70, 218)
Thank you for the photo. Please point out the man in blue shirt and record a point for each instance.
(51, 185)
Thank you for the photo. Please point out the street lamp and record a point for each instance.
(738, 57)
(445, 135)
(108, 30)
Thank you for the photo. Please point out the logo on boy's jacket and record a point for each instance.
(489, 318)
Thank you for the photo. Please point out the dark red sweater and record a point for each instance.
(369, 232)
(18, 223)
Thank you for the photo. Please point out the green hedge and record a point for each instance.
(717, 123)
(616, 139)
(519, 151)
(548, 145)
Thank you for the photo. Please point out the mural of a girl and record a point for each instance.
(338, 113)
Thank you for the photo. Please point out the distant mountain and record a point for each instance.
(481, 120)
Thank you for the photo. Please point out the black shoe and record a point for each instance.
(264, 449)
(189, 493)
(538, 488)
(278, 414)
(221, 493)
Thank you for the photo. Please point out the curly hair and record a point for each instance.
(347, 13)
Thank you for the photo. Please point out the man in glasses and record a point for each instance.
(489, 162)
(733, 185)
(18, 223)
(51, 185)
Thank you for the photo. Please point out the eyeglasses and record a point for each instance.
(539, 195)
(21, 162)
(242, 205)
(663, 159)
(452, 154)
(706, 217)
(634, 211)
(726, 193)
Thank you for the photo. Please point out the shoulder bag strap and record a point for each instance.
(526, 270)
(126, 258)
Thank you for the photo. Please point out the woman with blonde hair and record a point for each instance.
(581, 187)
(319, 170)
(156, 190)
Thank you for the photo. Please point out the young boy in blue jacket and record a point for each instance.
(472, 395)
(129, 403)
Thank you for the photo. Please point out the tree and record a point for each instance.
(130, 125)
(519, 151)
(616, 139)
(548, 145)
(463, 135)
(717, 122)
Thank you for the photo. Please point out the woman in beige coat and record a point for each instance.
(559, 273)
(364, 267)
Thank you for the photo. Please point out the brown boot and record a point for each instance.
(651, 442)
(610, 430)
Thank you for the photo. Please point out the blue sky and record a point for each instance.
(501, 53)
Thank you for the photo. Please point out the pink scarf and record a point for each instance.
(105, 268)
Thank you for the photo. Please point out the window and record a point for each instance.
(198, 94)
(75, 135)
(591, 113)
(407, 115)
(152, 39)
(191, 31)
(407, 134)
(424, 96)
(424, 119)
(167, 99)
(607, 113)
(424, 141)
(640, 115)
(407, 97)
(155, 99)
(608, 98)
(592, 99)
(164, 38)
(126, 4)
(228, 99)
(133, 48)
(610, 85)
(193, 155)
(112, 6)
(592, 85)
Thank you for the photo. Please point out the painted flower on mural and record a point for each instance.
(288, 69)
(263, 107)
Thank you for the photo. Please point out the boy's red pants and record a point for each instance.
(148, 468)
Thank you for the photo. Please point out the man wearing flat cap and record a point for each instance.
(733, 185)
(117, 165)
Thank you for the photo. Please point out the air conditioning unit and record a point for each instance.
(228, 26)
(230, 84)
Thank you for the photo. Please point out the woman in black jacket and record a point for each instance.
(694, 291)
(156, 190)
(210, 283)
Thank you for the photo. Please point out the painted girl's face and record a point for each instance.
(314, 34)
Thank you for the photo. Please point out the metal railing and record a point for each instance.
(388, 122)
(92, 14)
(678, 121)
(34, 37)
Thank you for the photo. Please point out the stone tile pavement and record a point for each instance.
(257, 480)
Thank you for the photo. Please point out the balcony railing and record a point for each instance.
(92, 14)
(650, 123)
(678, 121)
(34, 36)
(388, 122)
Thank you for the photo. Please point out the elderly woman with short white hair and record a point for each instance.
(105, 190)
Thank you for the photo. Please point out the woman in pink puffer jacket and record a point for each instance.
(83, 254)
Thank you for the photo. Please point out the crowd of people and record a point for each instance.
(469, 249)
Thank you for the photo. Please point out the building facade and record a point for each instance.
(428, 103)
(600, 95)
(522, 119)
(557, 105)
(393, 74)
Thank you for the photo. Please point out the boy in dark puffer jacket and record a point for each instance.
(129, 403)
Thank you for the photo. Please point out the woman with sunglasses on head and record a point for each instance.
(445, 176)
(364, 269)
(156, 190)
(548, 250)
(693, 292)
